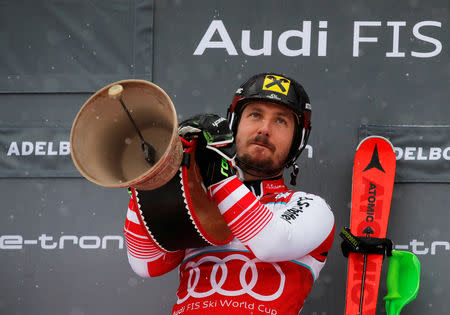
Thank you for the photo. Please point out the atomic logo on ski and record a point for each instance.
(371, 207)
(374, 161)
(368, 230)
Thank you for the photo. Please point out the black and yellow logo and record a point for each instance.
(276, 84)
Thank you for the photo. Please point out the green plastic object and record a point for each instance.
(403, 278)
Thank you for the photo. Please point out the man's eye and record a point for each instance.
(281, 121)
(255, 115)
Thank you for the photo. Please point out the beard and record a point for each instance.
(255, 164)
(261, 168)
(265, 163)
(251, 160)
(258, 166)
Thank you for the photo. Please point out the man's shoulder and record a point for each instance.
(294, 197)
(304, 194)
(308, 198)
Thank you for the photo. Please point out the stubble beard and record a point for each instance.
(265, 163)
(258, 168)
(263, 167)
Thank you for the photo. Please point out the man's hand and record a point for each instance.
(215, 146)
(212, 131)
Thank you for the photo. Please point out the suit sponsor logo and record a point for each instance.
(247, 278)
(293, 213)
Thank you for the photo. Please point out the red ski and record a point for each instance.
(373, 182)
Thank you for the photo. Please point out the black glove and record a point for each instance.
(215, 146)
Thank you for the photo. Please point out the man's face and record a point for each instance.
(265, 134)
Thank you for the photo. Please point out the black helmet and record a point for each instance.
(275, 88)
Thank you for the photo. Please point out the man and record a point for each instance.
(281, 237)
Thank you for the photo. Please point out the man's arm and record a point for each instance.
(146, 258)
(265, 233)
(303, 225)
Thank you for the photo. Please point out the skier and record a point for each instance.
(281, 236)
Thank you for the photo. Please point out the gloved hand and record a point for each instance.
(215, 146)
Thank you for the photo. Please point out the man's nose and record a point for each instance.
(265, 128)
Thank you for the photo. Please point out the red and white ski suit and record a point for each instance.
(281, 242)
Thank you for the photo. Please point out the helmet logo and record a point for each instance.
(276, 84)
(274, 96)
